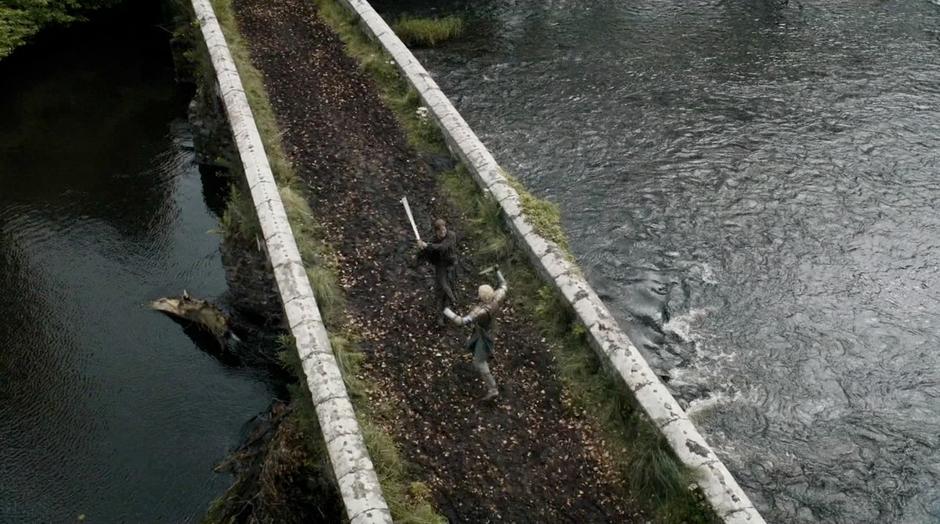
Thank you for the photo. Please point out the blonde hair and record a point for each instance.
(486, 293)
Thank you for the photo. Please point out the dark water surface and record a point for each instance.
(754, 188)
(106, 408)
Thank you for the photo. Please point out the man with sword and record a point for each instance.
(441, 252)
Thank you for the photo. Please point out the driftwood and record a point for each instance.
(197, 312)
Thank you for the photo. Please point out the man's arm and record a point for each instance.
(446, 243)
(455, 318)
(503, 287)
(463, 321)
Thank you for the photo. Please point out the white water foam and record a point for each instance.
(681, 326)
(705, 272)
(715, 399)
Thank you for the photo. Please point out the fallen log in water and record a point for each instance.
(197, 312)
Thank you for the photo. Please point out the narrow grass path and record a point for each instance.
(527, 458)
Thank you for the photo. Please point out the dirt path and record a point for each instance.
(526, 458)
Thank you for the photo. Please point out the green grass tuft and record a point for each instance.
(239, 221)
(490, 240)
(544, 216)
(428, 32)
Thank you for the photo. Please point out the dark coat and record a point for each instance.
(442, 253)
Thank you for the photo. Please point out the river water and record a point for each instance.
(106, 408)
(753, 188)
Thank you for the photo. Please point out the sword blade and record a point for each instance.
(411, 218)
(488, 270)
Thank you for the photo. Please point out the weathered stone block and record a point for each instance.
(342, 434)
(263, 190)
(572, 288)
(309, 339)
(323, 377)
(521, 227)
(591, 309)
(555, 263)
(303, 310)
(537, 245)
(364, 502)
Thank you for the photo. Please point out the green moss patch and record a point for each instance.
(428, 32)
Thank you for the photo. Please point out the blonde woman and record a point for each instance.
(483, 318)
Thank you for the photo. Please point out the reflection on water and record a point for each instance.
(106, 408)
(753, 187)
